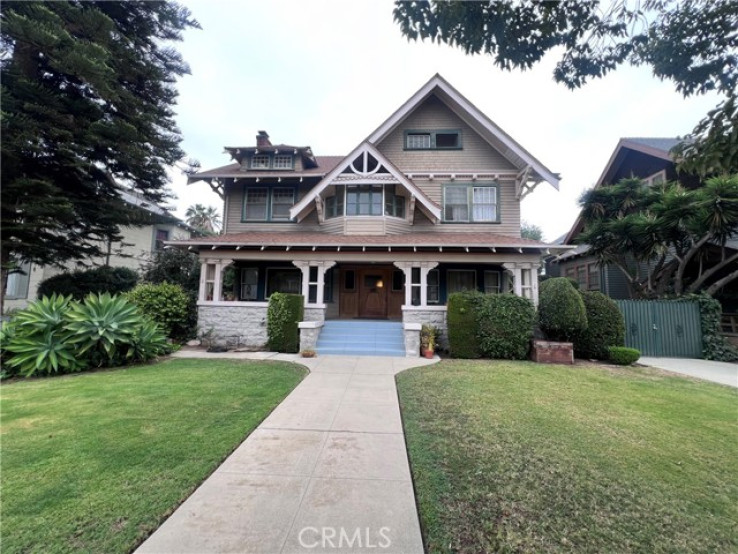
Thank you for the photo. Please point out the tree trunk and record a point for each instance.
(710, 272)
(684, 261)
(717, 285)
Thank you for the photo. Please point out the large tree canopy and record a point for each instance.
(666, 239)
(88, 95)
(693, 43)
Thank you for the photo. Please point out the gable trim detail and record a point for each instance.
(303, 207)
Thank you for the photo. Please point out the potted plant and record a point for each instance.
(428, 336)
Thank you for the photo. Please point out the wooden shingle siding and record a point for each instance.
(476, 153)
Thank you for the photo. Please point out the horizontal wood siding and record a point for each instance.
(333, 226)
(364, 226)
(394, 226)
(509, 208)
(476, 153)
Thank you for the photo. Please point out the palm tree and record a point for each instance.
(204, 218)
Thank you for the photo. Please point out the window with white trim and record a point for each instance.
(282, 161)
(461, 280)
(255, 204)
(447, 139)
(312, 284)
(209, 281)
(260, 161)
(282, 200)
(492, 282)
(17, 284)
(470, 204)
(418, 141)
(249, 283)
(415, 286)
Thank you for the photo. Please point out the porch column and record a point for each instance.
(525, 279)
(406, 268)
(425, 268)
(203, 277)
(534, 283)
(322, 268)
(218, 285)
(305, 268)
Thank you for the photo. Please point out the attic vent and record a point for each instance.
(365, 164)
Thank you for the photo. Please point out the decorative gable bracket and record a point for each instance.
(523, 183)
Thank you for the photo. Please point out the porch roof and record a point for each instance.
(314, 240)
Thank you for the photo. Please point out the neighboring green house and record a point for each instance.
(427, 205)
(139, 241)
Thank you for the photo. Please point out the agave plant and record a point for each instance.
(36, 340)
(147, 342)
(102, 323)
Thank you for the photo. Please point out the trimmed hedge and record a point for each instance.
(78, 284)
(561, 311)
(622, 355)
(166, 304)
(505, 327)
(462, 324)
(605, 327)
(284, 313)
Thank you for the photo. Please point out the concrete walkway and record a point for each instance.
(717, 372)
(327, 471)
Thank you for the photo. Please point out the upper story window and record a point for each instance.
(161, 236)
(470, 204)
(447, 139)
(656, 178)
(365, 200)
(269, 161)
(268, 204)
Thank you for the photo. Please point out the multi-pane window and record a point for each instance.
(587, 275)
(312, 284)
(593, 277)
(469, 204)
(364, 200)
(394, 205)
(432, 140)
(282, 161)
(492, 282)
(17, 285)
(255, 204)
(260, 161)
(461, 280)
(284, 280)
(282, 201)
(415, 286)
(249, 283)
(334, 205)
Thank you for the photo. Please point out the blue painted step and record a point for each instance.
(362, 338)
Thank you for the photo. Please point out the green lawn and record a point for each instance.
(95, 462)
(522, 457)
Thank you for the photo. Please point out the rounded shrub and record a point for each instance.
(605, 327)
(78, 284)
(284, 313)
(166, 304)
(622, 355)
(462, 324)
(505, 326)
(561, 312)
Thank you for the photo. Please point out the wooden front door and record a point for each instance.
(373, 286)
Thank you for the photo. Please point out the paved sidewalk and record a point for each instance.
(327, 471)
(718, 372)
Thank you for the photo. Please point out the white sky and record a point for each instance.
(326, 73)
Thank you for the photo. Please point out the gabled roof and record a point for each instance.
(468, 112)
(655, 147)
(365, 149)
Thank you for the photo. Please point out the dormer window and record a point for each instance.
(433, 140)
(260, 161)
(282, 161)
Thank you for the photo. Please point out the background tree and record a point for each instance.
(530, 231)
(204, 218)
(693, 43)
(88, 95)
(665, 239)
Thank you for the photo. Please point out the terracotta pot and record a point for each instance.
(429, 353)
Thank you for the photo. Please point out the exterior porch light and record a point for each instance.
(262, 248)
(257, 179)
(287, 249)
(238, 248)
(213, 247)
(520, 250)
(466, 248)
(314, 247)
(338, 249)
(440, 248)
(493, 249)
(279, 179)
(301, 179)
(190, 248)
(415, 248)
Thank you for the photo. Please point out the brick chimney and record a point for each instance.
(262, 140)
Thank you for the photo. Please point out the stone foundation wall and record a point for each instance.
(314, 314)
(432, 316)
(309, 333)
(245, 326)
(546, 352)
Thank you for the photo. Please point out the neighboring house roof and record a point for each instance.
(646, 155)
(135, 199)
(366, 149)
(471, 115)
(324, 165)
(317, 239)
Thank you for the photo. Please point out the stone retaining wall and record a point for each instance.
(245, 326)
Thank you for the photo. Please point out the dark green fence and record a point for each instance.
(663, 328)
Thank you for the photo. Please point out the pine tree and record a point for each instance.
(88, 95)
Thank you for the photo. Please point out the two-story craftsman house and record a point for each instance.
(427, 205)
